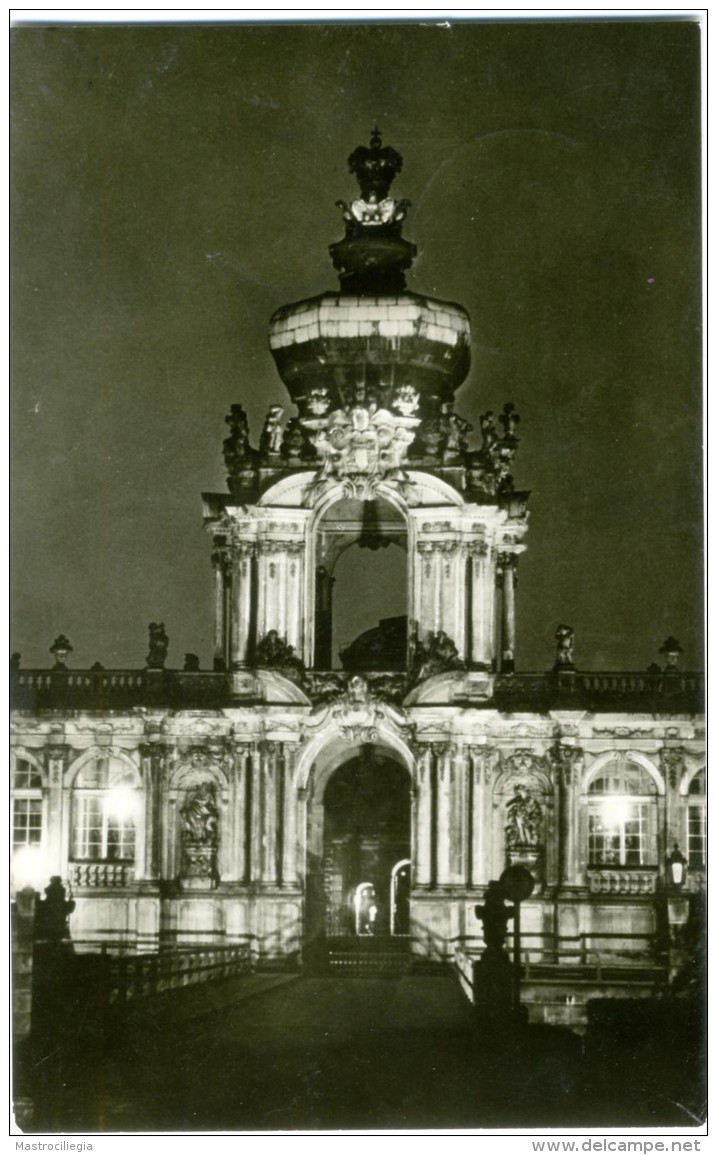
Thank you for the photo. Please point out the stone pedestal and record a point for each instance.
(492, 987)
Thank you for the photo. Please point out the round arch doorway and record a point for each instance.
(366, 847)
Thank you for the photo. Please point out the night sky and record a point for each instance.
(173, 185)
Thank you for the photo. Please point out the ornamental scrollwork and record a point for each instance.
(672, 763)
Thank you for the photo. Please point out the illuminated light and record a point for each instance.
(121, 803)
(29, 868)
(616, 810)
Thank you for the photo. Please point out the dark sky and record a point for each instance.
(172, 186)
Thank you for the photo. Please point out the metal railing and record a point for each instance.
(589, 948)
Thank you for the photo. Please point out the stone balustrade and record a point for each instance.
(123, 689)
(100, 875)
(603, 880)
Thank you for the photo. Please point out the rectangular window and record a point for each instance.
(27, 822)
(98, 836)
(696, 835)
(88, 827)
(618, 838)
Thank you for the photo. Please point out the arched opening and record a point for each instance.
(366, 837)
(361, 587)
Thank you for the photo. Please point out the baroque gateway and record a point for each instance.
(303, 796)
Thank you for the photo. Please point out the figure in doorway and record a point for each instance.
(366, 909)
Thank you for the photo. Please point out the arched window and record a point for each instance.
(27, 805)
(103, 812)
(622, 817)
(696, 822)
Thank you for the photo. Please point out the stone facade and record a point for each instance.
(190, 806)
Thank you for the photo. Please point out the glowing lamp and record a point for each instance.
(676, 867)
(28, 868)
(121, 803)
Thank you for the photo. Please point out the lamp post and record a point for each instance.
(517, 883)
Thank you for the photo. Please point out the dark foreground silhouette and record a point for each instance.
(298, 1053)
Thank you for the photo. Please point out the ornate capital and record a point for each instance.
(477, 549)
(672, 763)
(507, 561)
(222, 559)
(290, 548)
(565, 761)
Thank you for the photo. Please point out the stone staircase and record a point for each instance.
(377, 957)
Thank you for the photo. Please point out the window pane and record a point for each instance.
(696, 836)
(26, 777)
(120, 840)
(87, 841)
(27, 822)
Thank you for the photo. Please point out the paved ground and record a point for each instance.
(322, 1053)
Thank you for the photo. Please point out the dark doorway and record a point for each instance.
(367, 837)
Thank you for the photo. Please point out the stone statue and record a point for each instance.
(318, 401)
(200, 817)
(489, 468)
(431, 437)
(437, 654)
(294, 445)
(200, 833)
(671, 651)
(271, 436)
(158, 646)
(274, 653)
(456, 430)
(509, 419)
(238, 454)
(357, 694)
(406, 400)
(524, 816)
(53, 914)
(61, 647)
(565, 637)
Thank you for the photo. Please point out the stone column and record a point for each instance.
(422, 855)
(256, 808)
(461, 818)
(302, 828)
(291, 804)
(322, 620)
(153, 759)
(443, 753)
(482, 610)
(241, 618)
(429, 604)
(566, 761)
(295, 598)
(268, 828)
(220, 563)
(481, 757)
(508, 562)
(239, 801)
(56, 854)
(450, 563)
